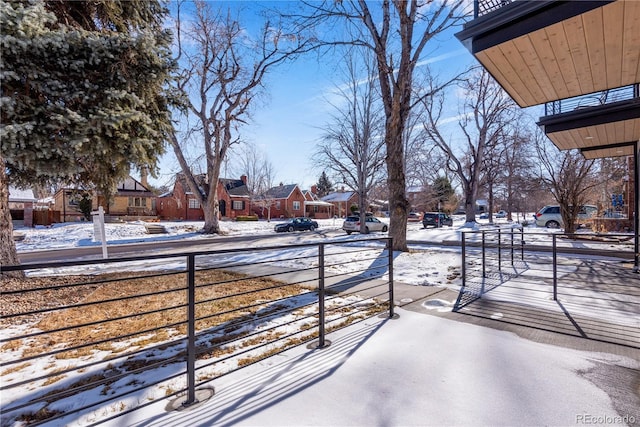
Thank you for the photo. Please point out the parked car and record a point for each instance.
(414, 217)
(351, 224)
(550, 217)
(436, 219)
(499, 214)
(296, 224)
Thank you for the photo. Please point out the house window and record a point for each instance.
(194, 204)
(296, 205)
(278, 204)
(137, 202)
(238, 205)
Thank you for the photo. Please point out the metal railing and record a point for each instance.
(147, 328)
(482, 7)
(592, 100)
(582, 284)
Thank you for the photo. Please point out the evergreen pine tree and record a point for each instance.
(82, 95)
(443, 189)
(324, 186)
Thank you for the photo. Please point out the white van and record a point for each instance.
(549, 216)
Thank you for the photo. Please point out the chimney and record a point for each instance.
(243, 178)
(144, 172)
(314, 189)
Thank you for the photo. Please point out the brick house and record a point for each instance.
(283, 201)
(342, 201)
(21, 204)
(66, 201)
(181, 204)
(132, 199)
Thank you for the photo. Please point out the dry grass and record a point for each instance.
(223, 291)
(166, 309)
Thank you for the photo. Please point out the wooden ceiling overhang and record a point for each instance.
(542, 51)
(608, 130)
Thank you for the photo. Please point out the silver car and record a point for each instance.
(352, 225)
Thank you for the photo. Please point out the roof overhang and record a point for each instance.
(608, 130)
(541, 51)
(317, 203)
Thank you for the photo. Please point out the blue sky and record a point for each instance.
(289, 119)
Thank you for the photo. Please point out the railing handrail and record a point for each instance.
(332, 317)
(177, 254)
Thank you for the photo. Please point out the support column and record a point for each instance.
(636, 208)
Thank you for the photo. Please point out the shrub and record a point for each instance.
(247, 218)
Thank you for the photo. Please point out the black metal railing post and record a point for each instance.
(484, 257)
(555, 269)
(511, 246)
(464, 258)
(391, 293)
(321, 294)
(191, 331)
(499, 250)
(522, 243)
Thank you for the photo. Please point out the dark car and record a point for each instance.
(436, 219)
(296, 224)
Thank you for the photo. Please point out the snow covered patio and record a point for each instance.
(589, 290)
(416, 370)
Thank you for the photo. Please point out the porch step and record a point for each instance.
(155, 229)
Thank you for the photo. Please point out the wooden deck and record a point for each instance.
(597, 300)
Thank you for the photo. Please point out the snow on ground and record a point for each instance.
(426, 264)
(78, 234)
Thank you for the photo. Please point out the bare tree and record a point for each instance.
(517, 166)
(485, 109)
(568, 176)
(492, 170)
(259, 171)
(353, 147)
(397, 33)
(221, 72)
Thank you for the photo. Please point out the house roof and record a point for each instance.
(20, 196)
(235, 187)
(281, 191)
(339, 196)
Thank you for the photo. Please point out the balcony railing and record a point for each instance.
(592, 100)
(482, 7)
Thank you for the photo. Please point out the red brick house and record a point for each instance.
(283, 201)
(181, 204)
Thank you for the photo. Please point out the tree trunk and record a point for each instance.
(398, 203)
(470, 210)
(8, 253)
(211, 209)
